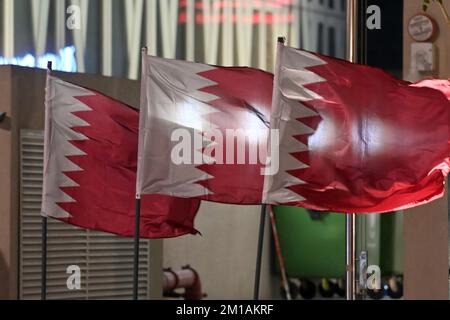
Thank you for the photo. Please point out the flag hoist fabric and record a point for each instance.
(90, 159)
(355, 139)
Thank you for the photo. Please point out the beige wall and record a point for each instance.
(225, 254)
(426, 227)
(8, 250)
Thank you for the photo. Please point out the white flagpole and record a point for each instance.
(350, 225)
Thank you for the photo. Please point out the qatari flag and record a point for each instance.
(90, 157)
(354, 139)
(203, 131)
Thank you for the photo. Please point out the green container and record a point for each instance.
(311, 247)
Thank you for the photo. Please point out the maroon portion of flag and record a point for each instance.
(382, 144)
(244, 99)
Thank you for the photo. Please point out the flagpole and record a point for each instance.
(350, 255)
(44, 235)
(137, 223)
(136, 249)
(262, 225)
(350, 218)
(44, 259)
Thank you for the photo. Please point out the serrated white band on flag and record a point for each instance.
(60, 106)
(171, 99)
(289, 91)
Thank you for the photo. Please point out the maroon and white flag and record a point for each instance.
(355, 139)
(343, 137)
(90, 157)
(203, 131)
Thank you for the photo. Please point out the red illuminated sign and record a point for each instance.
(256, 17)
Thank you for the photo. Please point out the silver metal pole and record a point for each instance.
(44, 259)
(350, 226)
(350, 255)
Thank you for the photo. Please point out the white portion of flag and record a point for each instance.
(60, 104)
(171, 99)
(291, 76)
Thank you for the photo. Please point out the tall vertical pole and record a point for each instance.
(262, 225)
(350, 219)
(44, 259)
(44, 228)
(350, 255)
(137, 223)
(136, 250)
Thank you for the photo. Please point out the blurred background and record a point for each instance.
(105, 36)
(97, 44)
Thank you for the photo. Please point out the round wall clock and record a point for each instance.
(422, 28)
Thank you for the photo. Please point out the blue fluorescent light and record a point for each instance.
(63, 61)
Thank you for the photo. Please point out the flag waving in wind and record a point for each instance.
(90, 167)
(343, 137)
(203, 131)
(354, 139)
